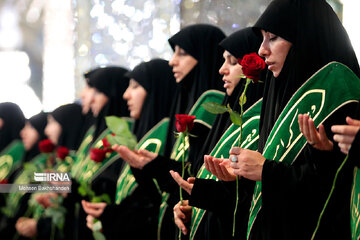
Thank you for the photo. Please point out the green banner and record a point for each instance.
(11, 158)
(82, 152)
(354, 206)
(327, 90)
(228, 140)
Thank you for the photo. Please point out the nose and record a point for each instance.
(47, 130)
(264, 50)
(22, 133)
(126, 94)
(223, 70)
(173, 61)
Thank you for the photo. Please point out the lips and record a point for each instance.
(226, 83)
(268, 63)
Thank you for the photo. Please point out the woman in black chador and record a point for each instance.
(109, 84)
(299, 38)
(151, 85)
(195, 64)
(32, 134)
(207, 194)
(12, 120)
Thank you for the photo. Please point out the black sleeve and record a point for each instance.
(354, 152)
(219, 196)
(159, 169)
(298, 191)
(135, 217)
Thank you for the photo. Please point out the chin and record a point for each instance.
(135, 115)
(229, 92)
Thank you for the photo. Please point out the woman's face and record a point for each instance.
(135, 95)
(274, 49)
(98, 101)
(53, 130)
(86, 96)
(182, 63)
(29, 136)
(231, 71)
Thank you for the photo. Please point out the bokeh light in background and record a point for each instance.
(47, 45)
(122, 32)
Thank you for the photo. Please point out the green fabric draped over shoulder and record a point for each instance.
(228, 140)
(85, 170)
(26, 176)
(11, 158)
(332, 87)
(153, 142)
(355, 207)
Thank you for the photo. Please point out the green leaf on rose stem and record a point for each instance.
(105, 198)
(97, 226)
(96, 199)
(82, 191)
(235, 118)
(116, 125)
(126, 139)
(85, 190)
(242, 102)
(214, 108)
(97, 235)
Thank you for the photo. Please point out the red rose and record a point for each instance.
(106, 144)
(184, 122)
(62, 152)
(252, 65)
(97, 154)
(4, 181)
(46, 146)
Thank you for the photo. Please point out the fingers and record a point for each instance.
(314, 137)
(148, 154)
(84, 205)
(345, 129)
(93, 209)
(181, 215)
(344, 148)
(211, 166)
(89, 222)
(301, 122)
(191, 180)
(344, 139)
(352, 121)
(306, 128)
(235, 151)
(26, 227)
(100, 205)
(181, 182)
(129, 156)
(227, 176)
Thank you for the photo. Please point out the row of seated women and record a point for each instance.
(287, 178)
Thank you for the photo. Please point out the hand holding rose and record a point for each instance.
(186, 185)
(26, 227)
(93, 209)
(249, 163)
(182, 215)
